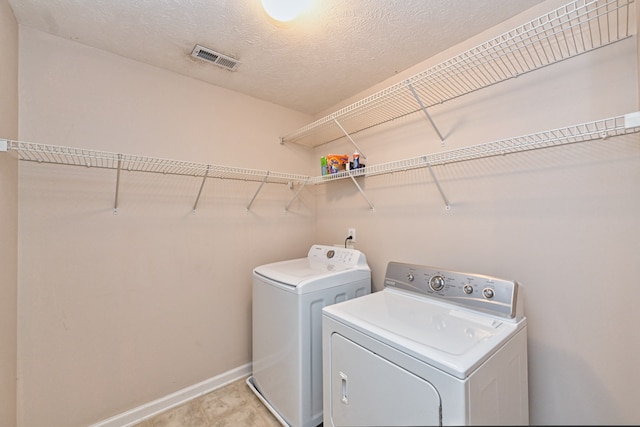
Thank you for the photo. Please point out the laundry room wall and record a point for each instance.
(8, 216)
(562, 221)
(117, 310)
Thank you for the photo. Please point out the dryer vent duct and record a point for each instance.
(214, 57)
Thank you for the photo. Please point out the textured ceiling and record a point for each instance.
(336, 50)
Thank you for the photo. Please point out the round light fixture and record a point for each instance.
(285, 10)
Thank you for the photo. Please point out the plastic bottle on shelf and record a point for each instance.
(323, 165)
(356, 160)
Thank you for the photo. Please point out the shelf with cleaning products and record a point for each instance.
(578, 27)
(42, 153)
(589, 131)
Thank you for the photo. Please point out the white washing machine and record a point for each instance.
(434, 347)
(288, 298)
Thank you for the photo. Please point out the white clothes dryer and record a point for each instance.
(288, 298)
(434, 347)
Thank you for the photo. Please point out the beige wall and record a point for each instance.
(8, 215)
(118, 310)
(562, 221)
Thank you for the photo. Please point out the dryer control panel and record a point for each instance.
(473, 291)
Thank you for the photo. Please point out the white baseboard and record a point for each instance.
(139, 414)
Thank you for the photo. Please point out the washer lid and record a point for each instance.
(454, 340)
(304, 276)
(296, 271)
(321, 267)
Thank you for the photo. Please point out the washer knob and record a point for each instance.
(436, 283)
(468, 289)
(410, 277)
(488, 292)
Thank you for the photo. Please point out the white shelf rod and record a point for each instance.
(350, 139)
(426, 113)
(295, 196)
(257, 191)
(204, 178)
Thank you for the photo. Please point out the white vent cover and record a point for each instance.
(214, 57)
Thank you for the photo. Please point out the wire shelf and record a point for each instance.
(576, 28)
(44, 153)
(605, 128)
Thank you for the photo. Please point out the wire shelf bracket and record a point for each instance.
(362, 192)
(350, 139)
(119, 168)
(295, 196)
(447, 205)
(426, 113)
(264, 181)
(204, 178)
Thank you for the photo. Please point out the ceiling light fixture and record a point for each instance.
(285, 10)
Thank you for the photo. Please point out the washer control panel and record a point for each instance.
(333, 255)
(473, 291)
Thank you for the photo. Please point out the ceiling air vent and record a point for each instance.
(214, 57)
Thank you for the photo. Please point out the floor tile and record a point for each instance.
(186, 415)
(232, 405)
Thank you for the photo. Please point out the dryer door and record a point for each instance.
(368, 390)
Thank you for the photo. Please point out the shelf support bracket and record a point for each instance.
(204, 178)
(362, 192)
(350, 139)
(297, 194)
(259, 188)
(447, 206)
(424, 110)
(115, 203)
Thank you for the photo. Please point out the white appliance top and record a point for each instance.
(453, 321)
(321, 268)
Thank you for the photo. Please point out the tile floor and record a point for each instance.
(232, 405)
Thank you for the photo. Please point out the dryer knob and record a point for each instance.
(410, 277)
(488, 292)
(436, 283)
